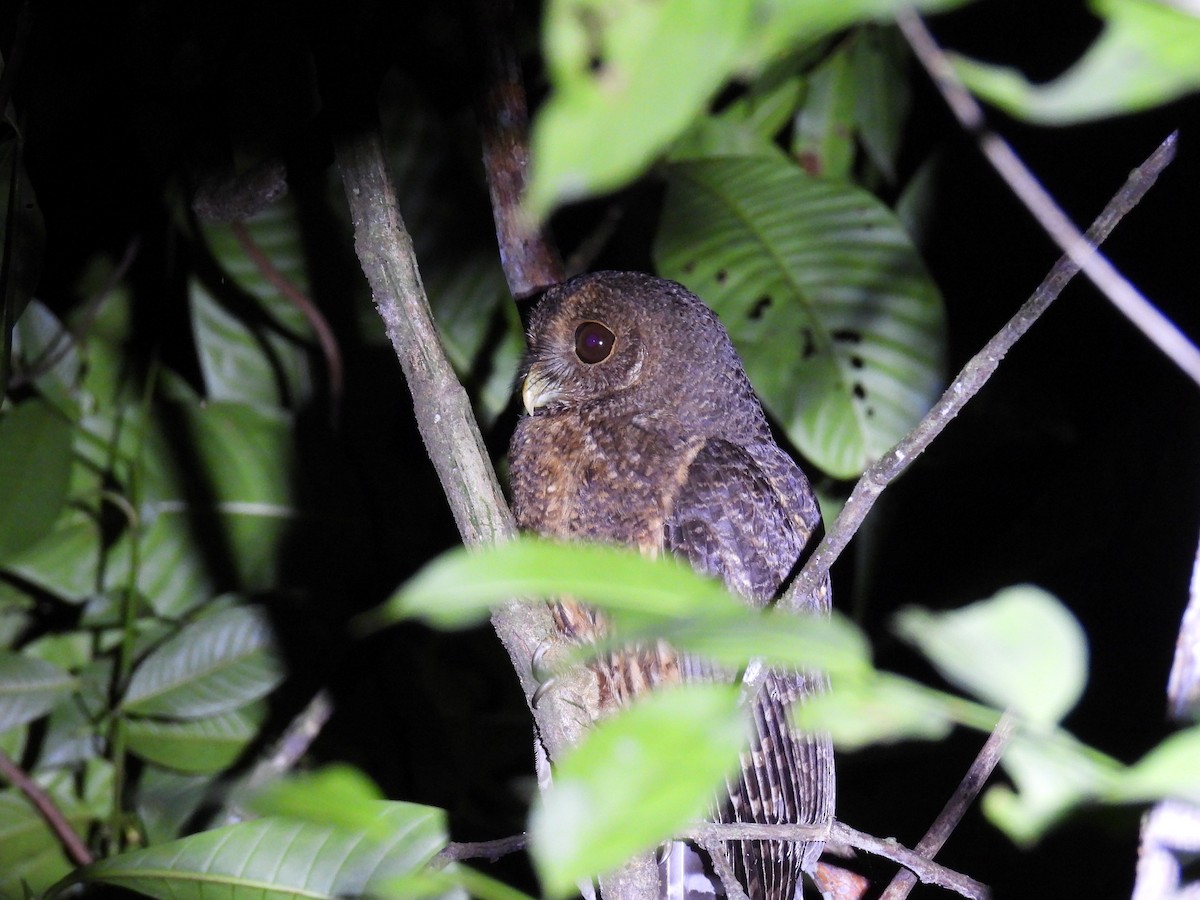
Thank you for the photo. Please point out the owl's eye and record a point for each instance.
(593, 342)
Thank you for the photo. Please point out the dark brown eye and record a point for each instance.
(593, 342)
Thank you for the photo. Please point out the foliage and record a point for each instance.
(184, 533)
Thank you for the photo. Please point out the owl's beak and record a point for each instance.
(539, 389)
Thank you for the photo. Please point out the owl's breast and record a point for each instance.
(580, 476)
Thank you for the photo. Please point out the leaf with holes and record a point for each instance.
(824, 295)
(214, 665)
(277, 859)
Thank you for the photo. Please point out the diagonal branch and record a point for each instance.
(969, 381)
(72, 843)
(1123, 295)
(959, 802)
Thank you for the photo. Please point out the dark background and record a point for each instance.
(1073, 469)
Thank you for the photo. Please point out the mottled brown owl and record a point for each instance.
(644, 430)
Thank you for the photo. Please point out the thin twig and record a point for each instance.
(288, 750)
(1132, 304)
(928, 871)
(968, 382)
(76, 849)
(290, 292)
(489, 850)
(956, 807)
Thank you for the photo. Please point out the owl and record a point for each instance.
(643, 430)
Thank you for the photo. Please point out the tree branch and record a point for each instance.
(72, 843)
(531, 262)
(446, 421)
(1123, 295)
(959, 802)
(967, 383)
(928, 871)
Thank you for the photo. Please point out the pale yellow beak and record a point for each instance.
(538, 389)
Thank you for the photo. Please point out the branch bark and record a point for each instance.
(445, 419)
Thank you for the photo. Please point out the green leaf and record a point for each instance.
(665, 757)
(644, 600)
(29, 688)
(822, 292)
(1148, 54)
(826, 125)
(627, 79)
(253, 341)
(35, 473)
(831, 644)
(787, 24)
(196, 746)
(883, 709)
(167, 801)
(459, 588)
(213, 665)
(65, 562)
(48, 350)
(1172, 769)
(276, 859)
(1053, 773)
(337, 795)
(1020, 649)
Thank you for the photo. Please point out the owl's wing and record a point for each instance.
(731, 520)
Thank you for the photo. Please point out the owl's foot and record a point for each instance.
(542, 666)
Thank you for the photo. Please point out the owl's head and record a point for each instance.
(632, 340)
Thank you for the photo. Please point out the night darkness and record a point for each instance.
(1075, 468)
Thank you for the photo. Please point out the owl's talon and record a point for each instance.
(542, 690)
(538, 664)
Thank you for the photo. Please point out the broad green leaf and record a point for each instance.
(644, 600)
(460, 587)
(665, 757)
(167, 801)
(214, 665)
(747, 127)
(337, 795)
(829, 643)
(253, 342)
(45, 348)
(29, 688)
(800, 21)
(65, 562)
(1020, 649)
(627, 79)
(35, 472)
(196, 746)
(276, 859)
(239, 455)
(883, 709)
(1148, 54)
(823, 141)
(1053, 773)
(821, 291)
(1172, 769)
(16, 612)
